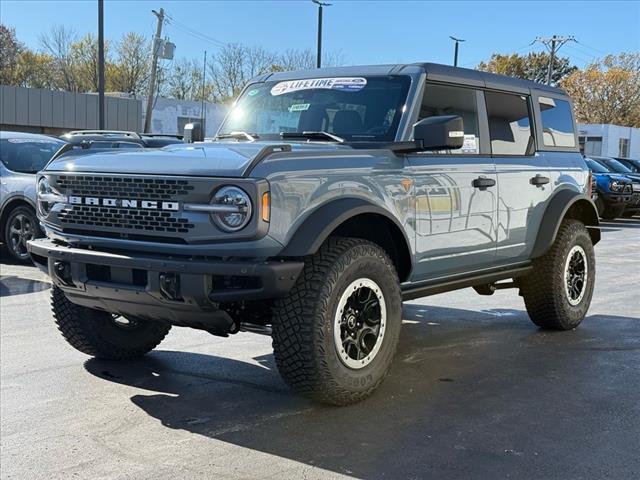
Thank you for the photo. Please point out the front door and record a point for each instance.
(455, 192)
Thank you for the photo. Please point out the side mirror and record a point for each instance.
(193, 133)
(444, 132)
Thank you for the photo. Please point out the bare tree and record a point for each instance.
(57, 43)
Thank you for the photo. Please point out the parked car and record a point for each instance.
(22, 155)
(329, 197)
(614, 165)
(614, 191)
(630, 163)
(110, 139)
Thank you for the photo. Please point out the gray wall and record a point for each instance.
(48, 111)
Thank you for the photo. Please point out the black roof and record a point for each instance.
(467, 76)
(434, 71)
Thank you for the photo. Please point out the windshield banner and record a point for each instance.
(345, 84)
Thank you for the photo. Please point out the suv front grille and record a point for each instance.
(125, 218)
(125, 187)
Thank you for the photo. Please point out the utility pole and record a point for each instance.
(553, 43)
(455, 53)
(319, 54)
(154, 68)
(101, 64)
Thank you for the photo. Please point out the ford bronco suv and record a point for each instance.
(327, 198)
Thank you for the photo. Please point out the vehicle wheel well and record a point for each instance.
(584, 212)
(383, 232)
(11, 204)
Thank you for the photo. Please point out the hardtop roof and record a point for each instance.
(434, 72)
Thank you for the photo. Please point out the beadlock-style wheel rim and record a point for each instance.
(359, 323)
(20, 232)
(576, 271)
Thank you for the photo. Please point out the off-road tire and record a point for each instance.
(95, 332)
(303, 322)
(543, 290)
(611, 213)
(25, 212)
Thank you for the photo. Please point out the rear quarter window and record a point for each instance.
(557, 122)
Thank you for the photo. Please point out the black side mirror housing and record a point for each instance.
(444, 132)
(193, 133)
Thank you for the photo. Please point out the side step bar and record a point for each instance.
(435, 287)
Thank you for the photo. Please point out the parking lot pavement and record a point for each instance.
(476, 391)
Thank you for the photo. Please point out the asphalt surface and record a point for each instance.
(476, 391)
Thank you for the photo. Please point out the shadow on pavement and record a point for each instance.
(470, 395)
(12, 285)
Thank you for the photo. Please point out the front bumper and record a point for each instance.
(181, 291)
(615, 198)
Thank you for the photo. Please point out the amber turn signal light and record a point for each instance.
(266, 206)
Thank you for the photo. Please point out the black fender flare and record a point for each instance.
(317, 227)
(557, 210)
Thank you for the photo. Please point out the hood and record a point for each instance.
(612, 176)
(214, 159)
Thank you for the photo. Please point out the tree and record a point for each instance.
(184, 82)
(607, 91)
(132, 65)
(84, 62)
(57, 43)
(34, 70)
(533, 66)
(10, 49)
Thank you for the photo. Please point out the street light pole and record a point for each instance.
(455, 54)
(319, 53)
(101, 64)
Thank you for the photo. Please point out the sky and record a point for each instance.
(364, 32)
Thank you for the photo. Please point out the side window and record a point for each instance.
(509, 124)
(445, 100)
(557, 123)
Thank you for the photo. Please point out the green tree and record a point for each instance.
(533, 66)
(131, 66)
(34, 70)
(10, 50)
(607, 91)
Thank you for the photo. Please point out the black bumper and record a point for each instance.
(181, 291)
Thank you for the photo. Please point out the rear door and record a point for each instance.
(523, 175)
(454, 214)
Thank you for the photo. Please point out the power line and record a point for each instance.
(553, 43)
(193, 32)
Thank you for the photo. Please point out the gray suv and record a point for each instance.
(22, 155)
(327, 199)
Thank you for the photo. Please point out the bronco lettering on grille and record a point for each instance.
(125, 203)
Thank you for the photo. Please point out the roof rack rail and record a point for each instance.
(180, 137)
(102, 132)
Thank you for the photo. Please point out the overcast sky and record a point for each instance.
(364, 31)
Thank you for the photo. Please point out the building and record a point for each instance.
(170, 115)
(609, 140)
(53, 112)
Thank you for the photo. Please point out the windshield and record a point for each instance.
(595, 166)
(27, 155)
(616, 166)
(354, 108)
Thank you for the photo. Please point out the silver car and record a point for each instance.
(22, 155)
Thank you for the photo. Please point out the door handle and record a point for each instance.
(482, 183)
(539, 180)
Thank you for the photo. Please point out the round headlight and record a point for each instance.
(238, 213)
(43, 188)
(616, 186)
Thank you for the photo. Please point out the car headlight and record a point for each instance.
(233, 208)
(47, 196)
(616, 186)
